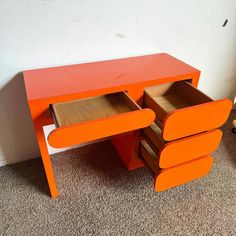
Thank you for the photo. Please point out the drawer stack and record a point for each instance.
(176, 147)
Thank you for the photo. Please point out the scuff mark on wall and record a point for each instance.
(119, 35)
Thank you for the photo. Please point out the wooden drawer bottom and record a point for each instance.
(88, 119)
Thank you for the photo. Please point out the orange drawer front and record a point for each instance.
(178, 175)
(182, 150)
(184, 173)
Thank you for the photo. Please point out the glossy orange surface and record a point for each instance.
(87, 131)
(196, 119)
(186, 149)
(184, 173)
(128, 153)
(95, 76)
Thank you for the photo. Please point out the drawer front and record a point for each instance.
(184, 173)
(148, 156)
(183, 110)
(193, 120)
(178, 175)
(182, 150)
(90, 119)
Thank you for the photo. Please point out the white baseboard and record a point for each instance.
(47, 129)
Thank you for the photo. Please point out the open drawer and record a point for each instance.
(169, 154)
(182, 110)
(172, 177)
(88, 119)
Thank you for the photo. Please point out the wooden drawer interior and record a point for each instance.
(98, 117)
(149, 157)
(153, 134)
(89, 109)
(170, 97)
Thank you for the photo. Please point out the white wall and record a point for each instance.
(42, 33)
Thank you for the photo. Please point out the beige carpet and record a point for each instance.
(98, 196)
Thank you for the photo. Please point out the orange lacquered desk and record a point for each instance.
(60, 84)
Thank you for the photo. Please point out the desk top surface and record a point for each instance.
(63, 80)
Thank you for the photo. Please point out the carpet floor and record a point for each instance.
(98, 196)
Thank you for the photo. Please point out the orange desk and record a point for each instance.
(148, 95)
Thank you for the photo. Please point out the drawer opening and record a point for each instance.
(89, 109)
(170, 154)
(176, 175)
(153, 134)
(149, 157)
(89, 119)
(173, 96)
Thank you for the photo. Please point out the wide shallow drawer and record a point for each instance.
(169, 154)
(178, 175)
(88, 119)
(182, 110)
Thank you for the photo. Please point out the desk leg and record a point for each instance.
(127, 145)
(46, 160)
